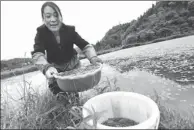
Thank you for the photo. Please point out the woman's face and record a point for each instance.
(51, 19)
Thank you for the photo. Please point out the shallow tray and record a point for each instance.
(79, 83)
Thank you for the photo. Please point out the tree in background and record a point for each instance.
(191, 8)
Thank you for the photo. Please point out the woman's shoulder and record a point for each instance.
(41, 28)
(68, 27)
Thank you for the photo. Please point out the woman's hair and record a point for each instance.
(52, 5)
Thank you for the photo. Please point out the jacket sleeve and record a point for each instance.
(86, 48)
(38, 54)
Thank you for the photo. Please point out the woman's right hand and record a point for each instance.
(50, 71)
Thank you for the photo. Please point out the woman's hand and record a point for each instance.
(95, 60)
(50, 71)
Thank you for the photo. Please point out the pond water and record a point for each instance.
(167, 67)
(12, 88)
(179, 96)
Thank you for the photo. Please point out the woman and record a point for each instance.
(53, 49)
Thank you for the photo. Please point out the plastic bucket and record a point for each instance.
(129, 105)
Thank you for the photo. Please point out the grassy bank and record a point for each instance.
(44, 111)
(18, 71)
(31, 68)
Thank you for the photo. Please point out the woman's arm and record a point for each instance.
(86, 48)
(38, 55)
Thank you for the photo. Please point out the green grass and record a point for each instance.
(44, 111)
(36, 112)
(172, 118)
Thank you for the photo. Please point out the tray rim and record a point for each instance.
(78, 76)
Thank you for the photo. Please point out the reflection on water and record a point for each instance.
(145, 83)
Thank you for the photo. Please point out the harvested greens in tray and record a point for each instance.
(119, 122)
(80, 71)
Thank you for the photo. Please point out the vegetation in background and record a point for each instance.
(164, 19)
(15, 63)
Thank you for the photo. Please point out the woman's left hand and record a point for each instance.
(95, 60)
